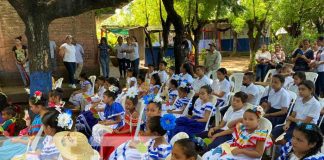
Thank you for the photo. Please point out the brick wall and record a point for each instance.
(83, 27)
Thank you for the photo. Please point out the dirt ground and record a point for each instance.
(235, 64)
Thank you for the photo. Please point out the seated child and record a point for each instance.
(18, 145)
(162, 72)
(222, 87)
(183, 100)
(173, 92)
(275, 101)
(8, 116)
(55, 98)
(156, 148)
(250, 89)
(222, 133)
(149, 73)
(307, 110)
(87, 119)
(52, 124)
(201, 79)
(155, 84)
(131, 80)
(184, 149)
(201, 113)
(287, 72)
(85, 91)
(122, 134)
(249, 141)
(298, 78)
(97, 98)
(186, 73)
(152, 109)
(143, 86)
(306, 144)
(114, 117)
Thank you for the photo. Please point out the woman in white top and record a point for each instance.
(67, 51)
(263, 57)
(222, 87)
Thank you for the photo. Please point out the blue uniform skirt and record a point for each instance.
(189, 126)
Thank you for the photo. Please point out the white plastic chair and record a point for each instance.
(321, 100)
(265, 124)
(312, 76)
(58, 83)
(270, 72)
(93, 81)
(190, 96)
(140, 109)
(261, 92)
(236, 80)
(214, 101)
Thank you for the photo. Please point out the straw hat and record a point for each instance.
(74, 146)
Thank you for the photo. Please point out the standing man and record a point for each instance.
(121, 56)
(213, 59)
(79, 54)
(53, 55)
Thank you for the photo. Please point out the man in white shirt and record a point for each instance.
(79, 54)
(201, 80)
(121, 56)
(250, 89)
(162, 73)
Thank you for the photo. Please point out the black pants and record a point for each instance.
(122, 67)
(70, 66)
(320, 84)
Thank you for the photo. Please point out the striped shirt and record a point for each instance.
(200, 108)
(49, 150)
(181, 102)
(35, 126)
(172, 95)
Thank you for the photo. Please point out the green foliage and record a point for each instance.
(170, 61)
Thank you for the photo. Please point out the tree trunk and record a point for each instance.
(253, 42)
(38, 47)
(235, 42)
(179, 30)
(319, 25)
(197, 34)
(150, 44)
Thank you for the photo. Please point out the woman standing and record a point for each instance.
(67, 51)
(21, 56)
(104, 56)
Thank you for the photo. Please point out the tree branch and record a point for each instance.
(66, 8)
(20, 7)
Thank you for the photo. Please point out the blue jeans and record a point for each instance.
(135, 65)
(104, 62)
(24, 72)
(70, 66)
(261, 71)
(320, 84)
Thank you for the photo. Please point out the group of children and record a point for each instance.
(140, 120)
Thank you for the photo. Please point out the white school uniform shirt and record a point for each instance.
(252, 90)
(294, 88)
(263, 55)
(187, 77)
(69, 52)
(101, 91)
(288, 81)
(232, 115)
(312, 108)
(222, 86)
(119, 48)
(278, 99)
(200, 108)
(198, 83)
(163, 76)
